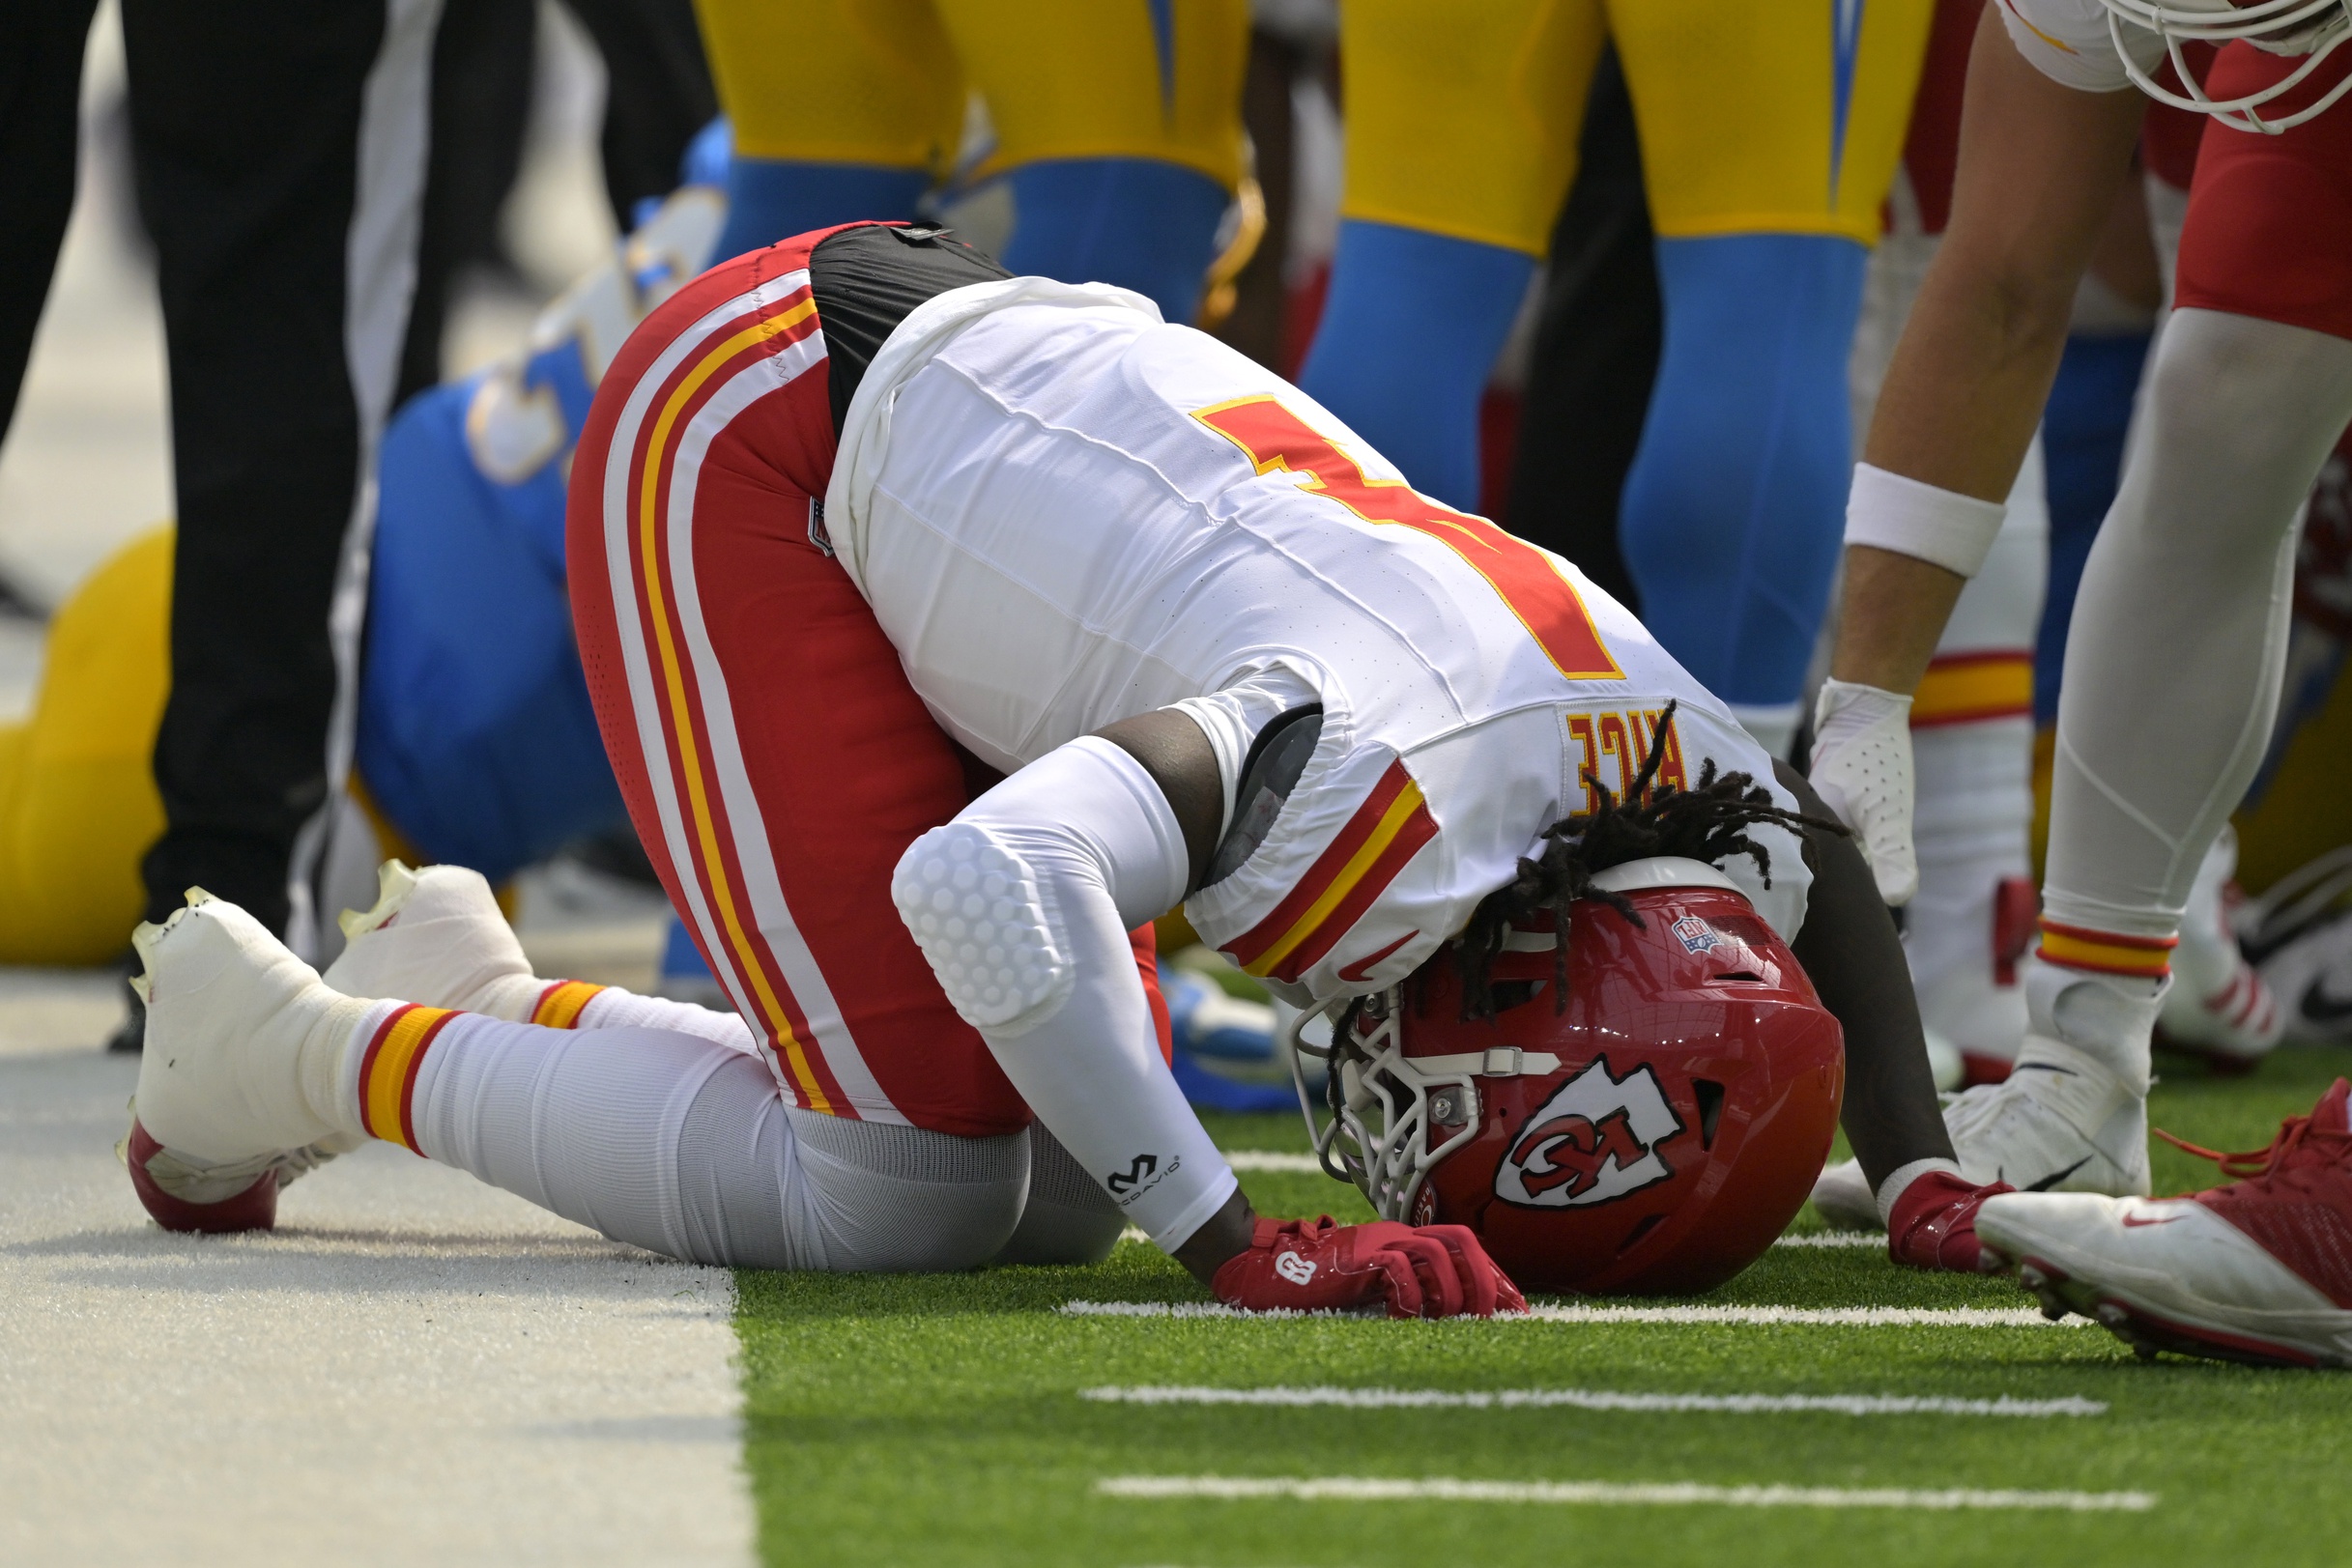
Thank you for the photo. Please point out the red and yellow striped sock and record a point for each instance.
(561, 1005)
(388, 1072)
(1969, 688)
(2107, 953)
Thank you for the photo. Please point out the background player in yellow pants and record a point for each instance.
(1769, 132)
(77, 797)
(1117, 123)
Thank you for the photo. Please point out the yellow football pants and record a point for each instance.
(1755, 116)
(78, 795)
(884, 81)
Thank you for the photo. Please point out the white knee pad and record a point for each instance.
(976, 911)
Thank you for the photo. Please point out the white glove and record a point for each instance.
(1862, 769)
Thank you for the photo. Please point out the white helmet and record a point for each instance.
(2310, 28)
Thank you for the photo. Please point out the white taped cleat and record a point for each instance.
(1842, 1195)
(2062, 1122)
(436, 936)
(242, 1072)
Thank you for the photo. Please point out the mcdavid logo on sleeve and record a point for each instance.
(1593, 1141)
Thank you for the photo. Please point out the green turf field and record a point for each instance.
(947, 1420)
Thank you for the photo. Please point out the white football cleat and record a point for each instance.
(436, 936)
(243, 1043)
(2061, 1122)
(2254, 1272)
(2311, 974)
(1842, 1195)
(2219, 1006)
(2300, 935)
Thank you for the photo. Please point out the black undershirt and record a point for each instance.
(868, 279)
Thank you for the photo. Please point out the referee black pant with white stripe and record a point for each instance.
(280, 148)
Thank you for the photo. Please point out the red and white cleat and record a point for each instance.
(1932, 1222)
(2259, 1270)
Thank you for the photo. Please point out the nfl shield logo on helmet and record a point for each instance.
(1594, 1140)
(1695, 934)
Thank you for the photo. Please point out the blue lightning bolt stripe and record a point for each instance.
(1163, 38)
(1844, 45)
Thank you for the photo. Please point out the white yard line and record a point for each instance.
(413, 1368)
(1600, 1399)
(1650, 1494)
(1272, 1159)
(1834, 1239)
(1834, 1317)
(1831, 1317)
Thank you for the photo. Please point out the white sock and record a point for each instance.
(687, 1147)
(613, 1007)
(1899, 1180)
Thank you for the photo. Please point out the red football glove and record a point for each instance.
(1423, 1271)
(1933, 1223)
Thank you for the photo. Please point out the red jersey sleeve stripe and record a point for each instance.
(1254, 944)
(1416, 831)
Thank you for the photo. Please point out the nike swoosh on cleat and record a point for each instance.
(2133, 1221)
(2056, 1176)
(2044, 1067)
(2321, 1008)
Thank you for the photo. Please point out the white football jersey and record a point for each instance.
(1065, 513)
(2069, 42)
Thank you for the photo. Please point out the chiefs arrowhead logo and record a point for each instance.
(1593, 1141)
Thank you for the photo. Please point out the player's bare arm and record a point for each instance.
(2039, 167)
(2040, 163)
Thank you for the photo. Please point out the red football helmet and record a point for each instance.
(1653, 1138)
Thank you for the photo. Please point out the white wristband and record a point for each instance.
(1944, 528)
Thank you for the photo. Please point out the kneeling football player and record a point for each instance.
(944, 628)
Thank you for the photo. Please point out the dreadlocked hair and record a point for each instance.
(1705, 823)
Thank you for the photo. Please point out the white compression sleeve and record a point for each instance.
(1023, 904)
(2176, 650)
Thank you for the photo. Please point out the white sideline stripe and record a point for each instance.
(1834, 1239)
(1272, 1159)
(1600, 1399)
(1830, 1317)
(1662, 1493)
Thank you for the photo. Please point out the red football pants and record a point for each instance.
(775, 761)
(2269, 232)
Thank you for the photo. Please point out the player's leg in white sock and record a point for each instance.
(683, 1146)
(2173, 659)
(612, 1007)
(1972, 739)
